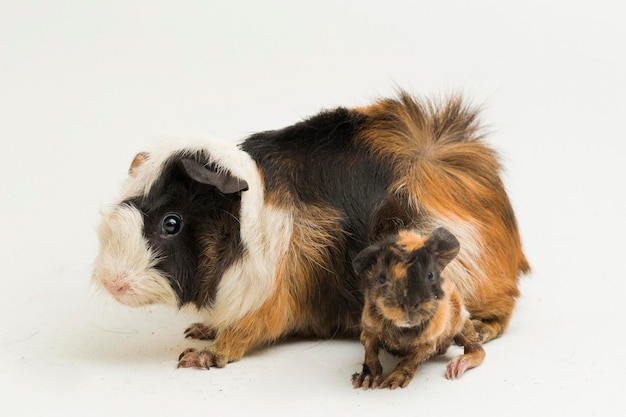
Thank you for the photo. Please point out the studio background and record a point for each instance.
(86, 85)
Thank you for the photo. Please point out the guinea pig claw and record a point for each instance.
(185, 352)
(364, 380)
(200, 331)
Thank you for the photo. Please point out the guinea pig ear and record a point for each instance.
(222, 180)
(443, 245)
(365, 259)
(140, 158)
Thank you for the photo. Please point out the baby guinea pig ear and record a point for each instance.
(140, 158)
(223, 181)
(365, 259)
(443, 245)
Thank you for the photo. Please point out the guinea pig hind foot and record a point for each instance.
(200, 359)
(200, 331)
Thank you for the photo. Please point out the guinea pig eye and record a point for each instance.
(431, 276)
(382, 278)
(171, 224)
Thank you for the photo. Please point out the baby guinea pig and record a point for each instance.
(411, 309)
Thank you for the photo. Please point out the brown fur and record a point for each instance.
(447, 173)
(409, 242)
(438, 323)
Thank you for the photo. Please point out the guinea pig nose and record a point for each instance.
(409, 307)
(404, 307)
(117, 283)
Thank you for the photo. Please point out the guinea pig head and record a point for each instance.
(173, 234)
(402, 274)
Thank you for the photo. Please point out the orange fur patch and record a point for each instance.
(447, 319)
(452, 179)
(260, 327)
(286, 310)
(410, 241)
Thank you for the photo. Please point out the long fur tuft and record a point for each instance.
(446, 172)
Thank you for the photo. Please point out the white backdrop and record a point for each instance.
(85, 85)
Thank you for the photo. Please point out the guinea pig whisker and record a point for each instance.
(232, 215)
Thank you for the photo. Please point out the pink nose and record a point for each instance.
(117, 284)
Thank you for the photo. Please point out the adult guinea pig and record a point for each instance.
(259, 236)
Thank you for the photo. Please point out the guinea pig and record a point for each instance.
(412, 309)
(259, 236)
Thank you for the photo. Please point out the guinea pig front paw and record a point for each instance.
(363, 380)
(396, 379)
(200, 331)
(200, 359)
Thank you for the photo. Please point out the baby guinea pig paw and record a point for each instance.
(364, 380)
(399, 378)
(200, 359)
(456, 367)
(200, 331)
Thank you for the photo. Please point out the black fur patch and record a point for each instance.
(320, 162)
(420, 287)
(209, 241)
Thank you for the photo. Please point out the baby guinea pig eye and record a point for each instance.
(171, 224)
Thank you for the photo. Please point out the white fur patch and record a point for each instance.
(464, 314)
(246, 285)
(224, 154)
(125, 264)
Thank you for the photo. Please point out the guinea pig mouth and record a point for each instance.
(410, 322)
(119, 286)
(136, 290)
(406, 324)
(413, 318)
(121, 289)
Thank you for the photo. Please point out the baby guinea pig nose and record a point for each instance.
(409, 306)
